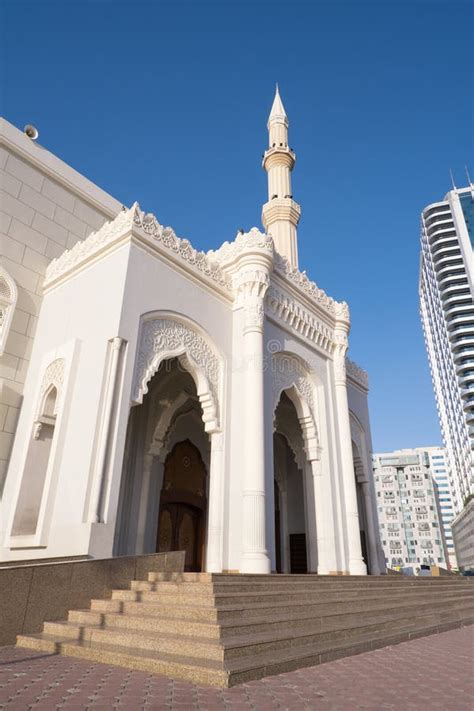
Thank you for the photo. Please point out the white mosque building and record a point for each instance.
(164, 398)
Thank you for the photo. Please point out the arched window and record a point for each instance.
(37, 464)
(8, 297)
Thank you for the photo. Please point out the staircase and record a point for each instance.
(222, 630)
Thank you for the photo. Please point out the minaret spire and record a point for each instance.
(280, 215)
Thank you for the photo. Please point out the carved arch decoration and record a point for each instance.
(291, 432)
(52, 380)
(292, 375)
(8, 299)
(358, 448)
(172, 336)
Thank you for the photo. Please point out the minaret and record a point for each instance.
(280, 215)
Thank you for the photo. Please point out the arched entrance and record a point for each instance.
(183, 505)
(291, 537)
(165, 484)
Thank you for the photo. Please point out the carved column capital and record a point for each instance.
(251, 285)
(341, 344)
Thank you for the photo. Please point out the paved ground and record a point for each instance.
(435, 672)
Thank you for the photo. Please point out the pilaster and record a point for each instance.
(355, 563)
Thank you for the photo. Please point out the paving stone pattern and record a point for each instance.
(435, 672)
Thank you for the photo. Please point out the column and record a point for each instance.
(355, 563)
(312, 543)
(215, 517)
(284, 542)
(255, 559)
(371, 530)
(101, 464)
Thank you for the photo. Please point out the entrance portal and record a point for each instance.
(289, 487)
(183, 505)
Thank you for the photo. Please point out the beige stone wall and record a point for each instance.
(45, 208)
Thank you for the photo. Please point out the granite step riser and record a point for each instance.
(308, 658)
(294, 578)
(211, 651)
(272, 614)
(341, 607)
(187, 647)
(209, 600)
(213, 631)
(124, 638)
(305, 657)
(331, 622)
(288, 620)
(263, 588)
(152, 665)
(145, 623)
(197, 614)
(337, 637)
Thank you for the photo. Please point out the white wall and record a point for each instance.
(45, 208)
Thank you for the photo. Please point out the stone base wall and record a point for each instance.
(33, 594)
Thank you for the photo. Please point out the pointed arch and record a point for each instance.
(165, 335)
(358, 442)
(292, 375)
(8, 299)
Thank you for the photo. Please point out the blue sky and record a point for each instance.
(167, 103)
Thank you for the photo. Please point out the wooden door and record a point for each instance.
(183, 505)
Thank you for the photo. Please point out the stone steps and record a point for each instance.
(220, 630)
(82, 625)
(192, 588)
(223, 610)
(281, 578)
(264, 619)
(205, 596)
(253, 642)
(237, 670)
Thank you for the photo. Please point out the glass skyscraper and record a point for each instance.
(446, 289)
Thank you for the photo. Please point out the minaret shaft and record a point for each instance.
(280, 215)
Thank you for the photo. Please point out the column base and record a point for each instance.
(357, 567)
(255, 563)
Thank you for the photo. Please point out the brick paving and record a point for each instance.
(430, 673)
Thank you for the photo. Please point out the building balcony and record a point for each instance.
(436, 210)
(444, 247)
(459, 308)
(469, 410)
(433, 216)
(462, 334)
(467, 365)
(467, 337)
(452, 292)
(467, 390)
(455, 278)
(449, 263)
(464, 352)
(443, 229)
(452, 301)
(460, 317)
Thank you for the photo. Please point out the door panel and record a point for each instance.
(183, 505)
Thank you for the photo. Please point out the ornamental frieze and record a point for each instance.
(300, 320)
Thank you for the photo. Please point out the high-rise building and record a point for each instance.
(446, 290)
(410, 521)
(439, 469)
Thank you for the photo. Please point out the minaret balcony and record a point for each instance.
(281, 209)
(279, 155)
